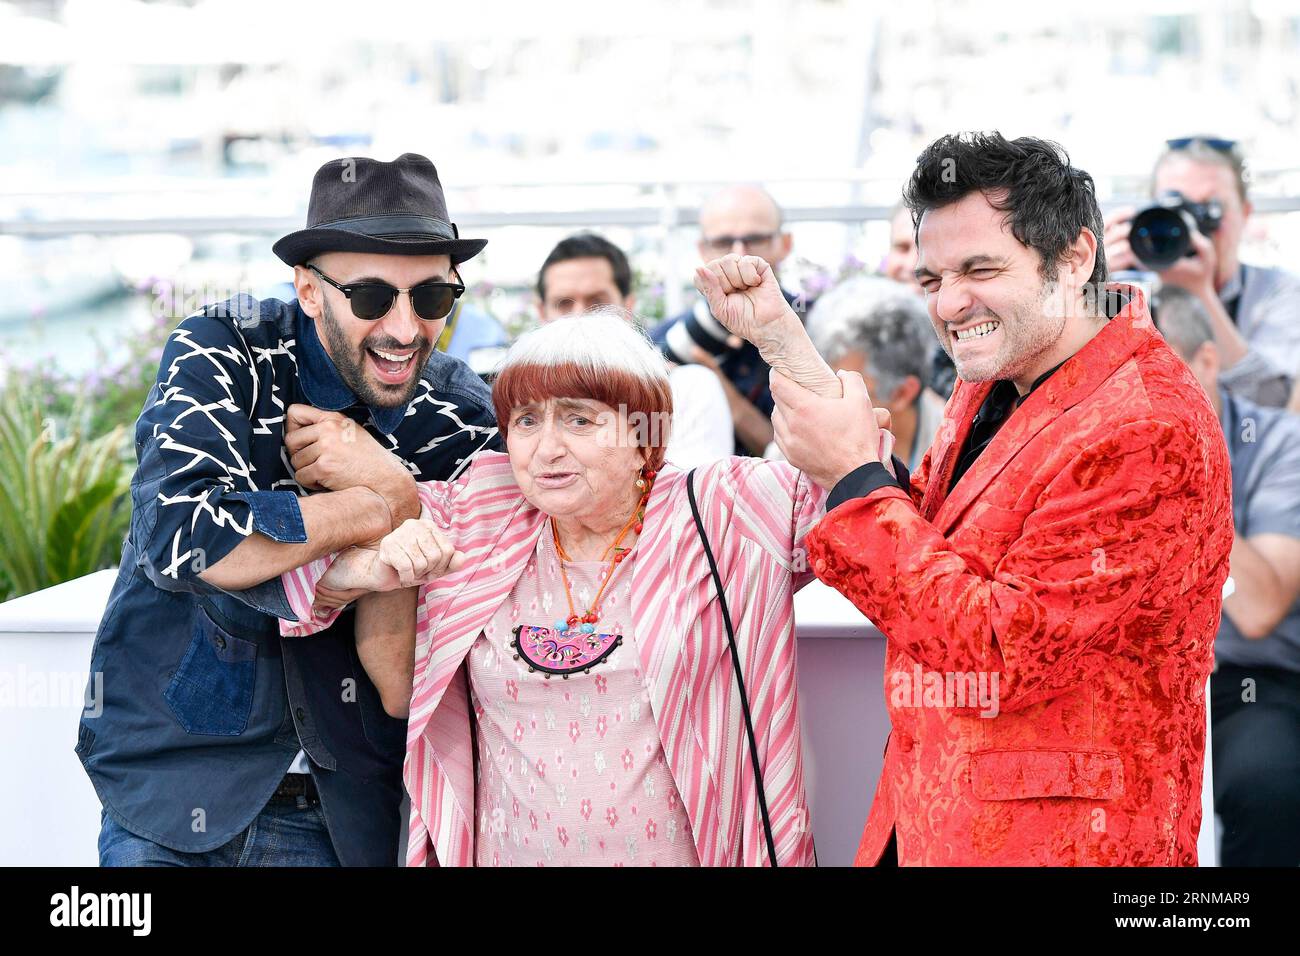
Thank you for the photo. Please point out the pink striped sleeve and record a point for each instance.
(300, 589)
(300, 583)
(770, 502)
(809, 508)
(437, 498)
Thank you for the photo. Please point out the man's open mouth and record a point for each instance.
(977, 331)
(393, 367)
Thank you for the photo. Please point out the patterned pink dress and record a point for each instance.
(571, 771)
(756, 514)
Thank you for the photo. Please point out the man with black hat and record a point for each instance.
(217, 743)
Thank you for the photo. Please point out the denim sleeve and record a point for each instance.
(276, 514)
(467, 426)
(194, 496)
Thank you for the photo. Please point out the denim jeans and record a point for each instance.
(288, 832)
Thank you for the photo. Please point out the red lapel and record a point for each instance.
(1081, 375)
(956, 425)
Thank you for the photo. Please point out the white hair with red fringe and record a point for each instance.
(604, 339)
(599, 355)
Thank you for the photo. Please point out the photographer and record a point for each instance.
(1255, 689)
(1254, 311)
(744, 220)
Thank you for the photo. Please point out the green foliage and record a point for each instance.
(66, 462)
(115, 396)
(64, 505)
(651, 303)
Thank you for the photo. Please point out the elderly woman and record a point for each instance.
(570, 643)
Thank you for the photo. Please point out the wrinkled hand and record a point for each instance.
(355, 572)
(326, 598)
(419, 551)
(329, 451)
(885, 422)
(826, 438)
(744, 295)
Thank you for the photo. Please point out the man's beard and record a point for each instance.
(1032, 330)
(350, 362)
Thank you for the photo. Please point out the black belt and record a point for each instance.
(295, 786)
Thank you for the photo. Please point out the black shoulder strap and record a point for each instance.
(735, 660)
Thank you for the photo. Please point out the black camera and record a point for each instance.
(697, 327)
(1161, 234)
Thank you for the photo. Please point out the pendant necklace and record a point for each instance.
(575, 644)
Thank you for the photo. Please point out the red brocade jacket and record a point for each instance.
(1074, 576)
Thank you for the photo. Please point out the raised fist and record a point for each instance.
(743, 294)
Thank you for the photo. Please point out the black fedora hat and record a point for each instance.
(364, 205)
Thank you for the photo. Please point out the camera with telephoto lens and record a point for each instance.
(1161, 234)
(697, 327)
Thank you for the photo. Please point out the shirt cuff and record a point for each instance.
(861, 482)
(276, 514)
(267, 597)
(299, 585)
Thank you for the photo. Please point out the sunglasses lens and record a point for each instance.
(1218, 145)
(372, 301)
(432, 302)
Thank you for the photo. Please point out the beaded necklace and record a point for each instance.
(573, 644)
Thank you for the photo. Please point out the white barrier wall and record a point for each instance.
(49, 814)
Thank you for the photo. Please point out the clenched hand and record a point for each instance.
(330, 451)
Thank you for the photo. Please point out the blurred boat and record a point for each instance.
(50, 277)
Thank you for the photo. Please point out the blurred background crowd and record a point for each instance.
(152, 151)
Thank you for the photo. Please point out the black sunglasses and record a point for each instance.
(372, 300)
(724, 243)
(1228, 146)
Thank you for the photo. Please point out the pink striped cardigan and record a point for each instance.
(756, 513)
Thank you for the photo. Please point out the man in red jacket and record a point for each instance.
(1050, 580)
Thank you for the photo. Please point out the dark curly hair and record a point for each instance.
(1047, 201)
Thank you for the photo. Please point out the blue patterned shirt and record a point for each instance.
(203, 707)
